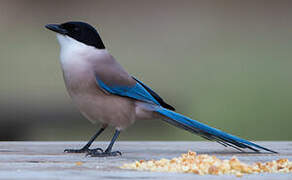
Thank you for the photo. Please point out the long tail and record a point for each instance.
(208, 132)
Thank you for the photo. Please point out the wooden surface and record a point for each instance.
(46, 160)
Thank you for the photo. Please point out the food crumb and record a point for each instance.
(204, 164)
(79, 163)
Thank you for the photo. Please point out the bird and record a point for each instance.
(105, 92)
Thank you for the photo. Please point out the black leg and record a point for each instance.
(108, 151)
(86, 147)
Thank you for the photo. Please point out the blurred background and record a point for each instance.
(224, 63)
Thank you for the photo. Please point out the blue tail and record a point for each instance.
(208, 132)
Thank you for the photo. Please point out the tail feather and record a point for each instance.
(208, 132)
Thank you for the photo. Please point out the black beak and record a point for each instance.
(56, 28)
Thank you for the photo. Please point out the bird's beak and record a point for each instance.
(56, 28)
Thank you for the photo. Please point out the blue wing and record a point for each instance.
(136, 91)
(155, 95)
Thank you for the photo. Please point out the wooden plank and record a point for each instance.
(46, 160)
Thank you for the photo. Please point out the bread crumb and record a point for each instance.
(79, 163)
(205, 164)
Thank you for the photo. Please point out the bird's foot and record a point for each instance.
(97, 153)
(82, 150)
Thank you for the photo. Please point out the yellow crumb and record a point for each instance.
(79, 163)
(205, 164)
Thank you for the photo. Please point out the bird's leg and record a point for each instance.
(108, 151)
(86, 147)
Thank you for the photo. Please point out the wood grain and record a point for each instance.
(46, 160)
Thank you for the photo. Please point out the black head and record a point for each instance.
(79, 31)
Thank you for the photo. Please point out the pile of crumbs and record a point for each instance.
(206, 164)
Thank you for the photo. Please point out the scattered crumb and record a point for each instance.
(205, 164)
(79, 163)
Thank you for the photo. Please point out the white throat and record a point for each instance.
(69, 44)
(71, 48)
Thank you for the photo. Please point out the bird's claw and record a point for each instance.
(94, 150)
(82, 150)
(94, 153)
